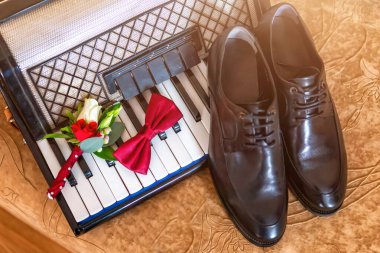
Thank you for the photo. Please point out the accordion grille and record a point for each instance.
(61, 79)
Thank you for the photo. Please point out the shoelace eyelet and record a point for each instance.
(242, 115)
(255, 137)
(293, 90)
(312, 101)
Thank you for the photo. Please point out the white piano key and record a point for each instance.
(133, 180)
(112, 178)
(185, 134)
(205, 115)
(161, 148)
(203, 68)
(173, 141)
(156, 167)
(197, 128)
(84, 187)
(146, 180)
(72, 198)
(201, 78)
(129, 177)
(100, 186)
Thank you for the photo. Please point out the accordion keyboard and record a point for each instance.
(182, 146)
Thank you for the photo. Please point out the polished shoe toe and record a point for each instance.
(316, 201)
(261, 234)
(331, 202)
(321, 194)
(271, 234)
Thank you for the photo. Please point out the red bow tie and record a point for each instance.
(135, 153)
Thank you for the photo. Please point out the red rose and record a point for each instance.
(92, 126)
(80, 124)
(83, 131)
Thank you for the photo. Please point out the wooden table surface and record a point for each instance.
(16, 236)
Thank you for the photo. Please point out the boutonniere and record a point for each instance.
(91, 130)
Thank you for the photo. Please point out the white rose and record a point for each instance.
(90, 111)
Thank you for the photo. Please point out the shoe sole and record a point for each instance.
(248, 236)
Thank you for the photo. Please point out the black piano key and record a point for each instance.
(142, 77)
(162, 136)
(61, 159)
(173, 62)
(127, 86)
(189, 103)
(158, 69)
(119, 142)
(189, 55)
(83, 165)
(176, 127)
(154, 90)
(71, 179)
(144, 106)
(198, 88)
(110, 163)
(132, 116)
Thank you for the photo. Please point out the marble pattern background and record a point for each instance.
(190, 218)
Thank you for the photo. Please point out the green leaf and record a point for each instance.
(117, 129)
(91, 145)
(56, 135)
(79, 108)
(106, 122)
(114, 109)
(73, 141)
(71, 117)
(66, 129)
(78, 111)
(111, 110)
(106, 154)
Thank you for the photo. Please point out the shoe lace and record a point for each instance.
(309, 101)
(258, 128)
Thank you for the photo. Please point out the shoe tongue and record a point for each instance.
(306, 77)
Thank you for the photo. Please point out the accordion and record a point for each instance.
(53, 54)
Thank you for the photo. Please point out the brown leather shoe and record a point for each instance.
(246, 156)
(315, 156)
